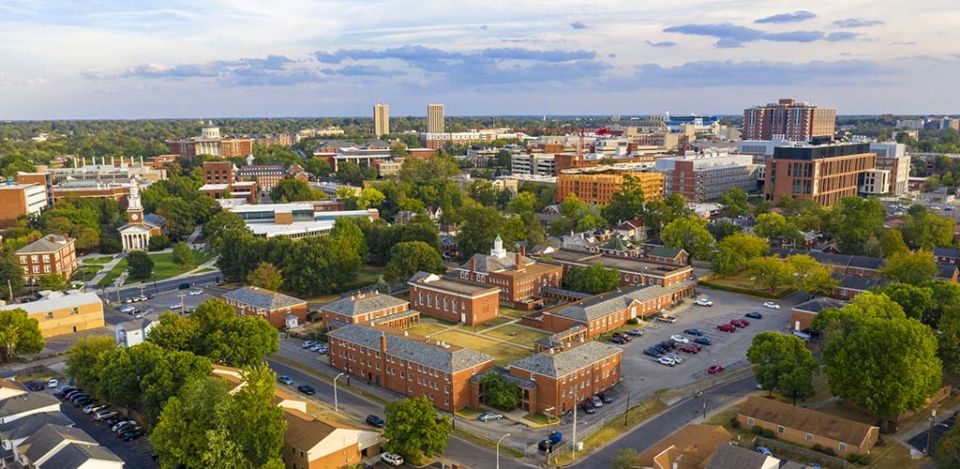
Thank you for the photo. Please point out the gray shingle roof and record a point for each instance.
(859, 282)
(26, 426)
(261, 298)
(25, 403)
(74, 455)
(487, 263)
(353, 305)
(946, 252)
(600, 306)
(568, 361)
(49, 436)
(733, 457)
(408, 348)
(946, 271)
(44, 244)
(139, 324)
(817, 305)
(556, 340)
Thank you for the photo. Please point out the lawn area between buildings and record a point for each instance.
(163, 267)
(96, 260)
(518, 334)
(504, 353)
(741, 283)
(512, 313)
(426, 328)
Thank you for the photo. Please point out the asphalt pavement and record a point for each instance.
(136, 454)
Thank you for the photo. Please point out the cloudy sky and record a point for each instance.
(212, 58)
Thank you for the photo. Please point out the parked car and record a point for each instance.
(764, 451)
(714, 369)
(285, 379)
(127, 309)
(693, 331)
(702, 341)
(679, 339)
(693, 349)
(104, 414)
(606, 398)
(306, 389)
(668, 344)
(666, 361)
(653, 352)
(35, 385)
(676, 358)
(771, 305)
(375, 421)
(754, 315)
(94, 407)
(196, 292)
(545, 446)
(741, 323)
(588, 407)
(62, 390)
(635, 332)
(123, 426)
(307, 344)
(52, 383)
(132, 434)
(623, 336)
(183, 286)
(176, 306)
(704, 302)
(662, 318)
(391, 459)
(617, 340)
(83, 401)
(596, 401)
(488, 416)
(727, 328)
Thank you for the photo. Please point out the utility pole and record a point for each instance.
(626, 412)
(933, 416)
(183, 307)
(10, 290)
(576, 403)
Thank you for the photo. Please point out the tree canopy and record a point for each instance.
(19, 333)
(782, 363)
(594, 279)
(414, 430)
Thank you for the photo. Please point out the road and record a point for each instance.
(164, 285)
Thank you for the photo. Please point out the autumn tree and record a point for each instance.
(266, 276)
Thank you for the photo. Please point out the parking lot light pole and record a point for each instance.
(336, 406)
(626, 412)
(933, 416)
(498, 448)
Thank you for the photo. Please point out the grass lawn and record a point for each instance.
(742, 282)
(426, 328)
(111, 276)
(894, 456)
(542, 419)
(493, 323)
(163, 267)
(517, 334)
(502, 352)
(97, 260)
(85, 273)
(511, 312)
(469, 413)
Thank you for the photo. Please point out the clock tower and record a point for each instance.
(134, 208)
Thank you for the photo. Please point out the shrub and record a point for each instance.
(862, 460)
(757, 430)
(734, 423)
(818, 447)
(768, 433)
(633, 321)
(159, 242)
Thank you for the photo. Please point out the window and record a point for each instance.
(75, 311)
(750, 421)
(779, 428)
(808, 437)
(843, 447)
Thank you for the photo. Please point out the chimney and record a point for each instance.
(383, 343)
(473, 264)
(521, 251)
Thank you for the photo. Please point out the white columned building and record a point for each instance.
(135, 235)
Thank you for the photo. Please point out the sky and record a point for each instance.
(129, 59)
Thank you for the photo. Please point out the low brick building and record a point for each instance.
(947, 256)
(275, 307)
(520, 278)
(633, 271)
(803, 314)
(604, 313)
(407, 364)
(853, 285)
(64, 313)
(808, 427)
(312, 443)
(49, 255)
(369, 308)
(447, 299)
(556, 382)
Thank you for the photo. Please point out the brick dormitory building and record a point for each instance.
(446, 299)
(50, 255)
(663, 267)
(520, 279)
(408, 364)
(824, 173)
(371, 308)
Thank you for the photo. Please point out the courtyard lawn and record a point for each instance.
(742, 283)
(111, 276)
(163, 267)
(86, 273)
(96, 260)
(426, 329)
(512, 313)
(517, 334)
(504, 353)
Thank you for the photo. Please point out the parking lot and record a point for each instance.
(137, 453)
(919, 441)
(159, 303)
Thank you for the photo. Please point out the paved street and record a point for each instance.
(136, 454)
(160, 302)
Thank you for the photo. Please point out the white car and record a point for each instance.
(680, 339)
(176, 306)
(391, 459)
(104, 414)
(704, 302)
(666, 361)
(53, 383)
(676, 358)
(771, 305)
(127, 309)
(196, 292)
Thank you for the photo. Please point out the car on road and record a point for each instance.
(727, 328)
(127, 309)
(176, 306)
(375, 421)
(52, 383)
(679, 339)
(391, 459)
(488, 416)
(666, 361)
(754, 315)
(764, 451)
(714, 369)
(652, 352)
(588, 407)
(285, 379)
(306, 389)
(307, 344)
(635, 332)
(94, 407)
(741, 323)
(691, 349)
(662, 318)
(196, 292)
(771, 305)
(606, 398)
(183, 286)
(104, 414)
(617, 340)
(702, 341)
(693, 331)
(596, 401)
(703, 302)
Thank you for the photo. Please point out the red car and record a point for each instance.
(739, 323)
(715, 369)
(691, 348)
(727, 328)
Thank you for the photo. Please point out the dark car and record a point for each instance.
(754, 315)
(375, 421)
(306, 389)
(635, 332)
(588, 407)
(668, 344)
(132, 434)
(694, 332)
(545, 446)
(727, 328)
(617, 340)
(702, 341)
(653, 352)
(606, 398)
(623, 336)
(183, 286)
(83, 401)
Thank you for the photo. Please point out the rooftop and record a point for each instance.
(50, 436)
(806, 420)
(364, 303)
(55, 301)
(560, 364)
(449, 284)
(608, 303)
(689, 447)
(263, 299)
(75, 456)
(734, 457)
(817, 305)
(48, 243)
(447, 358)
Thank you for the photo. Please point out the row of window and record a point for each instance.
(808, 437)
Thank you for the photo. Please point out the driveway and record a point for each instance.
(137, 453)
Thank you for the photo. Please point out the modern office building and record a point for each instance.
(64, 313)
(435, 124)
(381, 119)
(20, 199)
(596, 185)
(41, 178)
(51, 255)
(537, 164)
(293, 220)
(824, 173)
(790, 120)
(892, 157)
(703, 177)
(115, 171)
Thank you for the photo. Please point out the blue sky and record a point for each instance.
(137, 58)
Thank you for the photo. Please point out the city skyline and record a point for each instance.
(246, 59)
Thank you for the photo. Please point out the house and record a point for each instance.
(64, 313)
(47, 442)
(451, 300)
(448, 246)
(947, 256)
(130, 333)
(311, 443)
(735, 457)
(620, 246)
(369, 307)
(664, 255)
(407, 364)
(633, 271)
(635, 230)
(50, 255)
(948, 272)
(853, 285)
(520, 278)
(603, 313)
(803, 314)
(583, 242)
(687, 448)
(84, 456)
(558, 381)
(807, 427)
(23, 405)
(10, 388)
(270, 305)
(13, 433)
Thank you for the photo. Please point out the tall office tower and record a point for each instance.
(381, 119)
(789, 120)
(435, 118)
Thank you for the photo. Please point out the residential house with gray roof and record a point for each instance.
(48, 441)
(17, 407)
(13, 433)
(81, 456)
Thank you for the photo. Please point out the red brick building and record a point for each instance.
(407, 364)
(371, 308)
(454, 301)
(633, 271)
(50, 255)
(789, 119)
(520, 278)
(218, 172)
(278, 309)
(824, 173)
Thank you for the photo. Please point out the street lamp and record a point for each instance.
(701, 395)
(551, 417)
(336, 406)
(498, 448)
(933, 416)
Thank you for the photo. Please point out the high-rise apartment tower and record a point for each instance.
(788, 119)
(435, 119)
(381, 119)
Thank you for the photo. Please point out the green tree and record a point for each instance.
(770, 272)
(183, 255)
(414, 430)
(57, 282)
(170, 374)
(267, 276)
(854, 220)
(499, 393)
(781, 359)
(85, 359)
(370, 198)
(294, 190)
(735, 250)
(175, 332)
(948, 337)
(123, 370)
(10, 274)
(481, 225)
(19, 333)
(774, 225)
(917, 301)
(139, 265)
(219, 223)
(810, 276)
(891, 242)
(349, 230)
(251, 419)
(180, 216)
(928, 230)
(593, 279)
(524, 202)
(690, 234)
(411, 257)
(947, 453)
(911, 267)
(243, 341)
(180, 436)
(626, 203)
(734, 203)
(159, 242)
